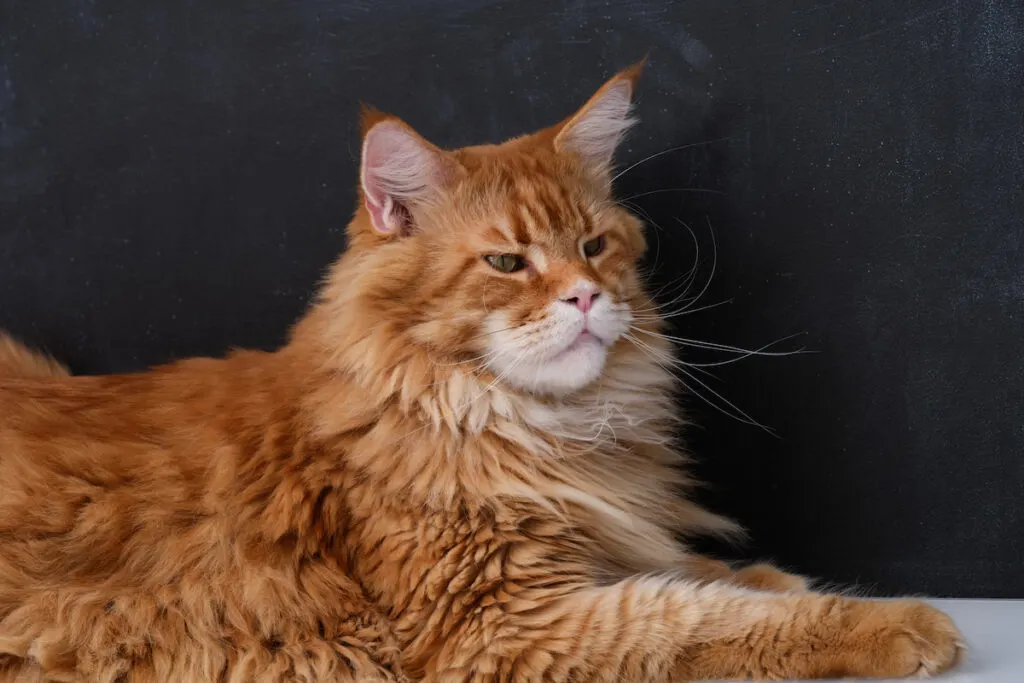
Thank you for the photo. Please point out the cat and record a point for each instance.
(461, 467)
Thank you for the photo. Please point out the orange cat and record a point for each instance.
(460, 468)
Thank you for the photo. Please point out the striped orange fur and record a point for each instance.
(450, 473)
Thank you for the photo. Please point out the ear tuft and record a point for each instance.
(370, 116)
(399, 170)
(595, 131)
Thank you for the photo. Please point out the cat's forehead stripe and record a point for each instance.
(503, 229)
(544, 207)
(539, 206)
(519, 221)
(534, 218)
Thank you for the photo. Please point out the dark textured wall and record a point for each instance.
(174, 177)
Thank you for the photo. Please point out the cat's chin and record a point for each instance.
(566, 372)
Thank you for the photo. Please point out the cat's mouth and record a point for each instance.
(583, 339)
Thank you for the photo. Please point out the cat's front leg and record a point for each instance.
(655, 630)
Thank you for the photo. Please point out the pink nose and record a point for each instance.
(582, 297)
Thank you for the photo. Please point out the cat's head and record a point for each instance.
(510, 258)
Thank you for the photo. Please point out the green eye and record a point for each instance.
(505, 263)
(593, 247)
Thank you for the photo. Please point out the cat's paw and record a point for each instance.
(765, 577)
(907, 638)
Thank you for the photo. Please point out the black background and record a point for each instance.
(175, 176)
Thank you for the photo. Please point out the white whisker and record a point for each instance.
(663, 190)
(663, 358)
(677, 313)
(690, 277)
(714, 258)
(711, 346)
(729, 403)
(738, 417)
(663, 153)
(736, 413)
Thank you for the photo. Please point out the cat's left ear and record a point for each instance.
(595, 131)
(400, 171)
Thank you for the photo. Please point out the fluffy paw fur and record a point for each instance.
(764, 577)
(905, 638)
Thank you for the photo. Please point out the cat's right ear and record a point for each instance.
(399, 171)
(594, 132)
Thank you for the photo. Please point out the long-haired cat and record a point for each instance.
(460, 468)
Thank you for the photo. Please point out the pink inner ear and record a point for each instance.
(597, 129)
(379, 207)
(398, 169)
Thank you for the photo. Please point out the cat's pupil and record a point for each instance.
(593, 247)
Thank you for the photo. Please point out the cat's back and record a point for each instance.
(88, 462)
(150, 406)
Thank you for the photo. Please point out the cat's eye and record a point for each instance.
(505, 263)
(592, 248)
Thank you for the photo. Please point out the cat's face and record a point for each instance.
(543, 271)
(511, 258)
